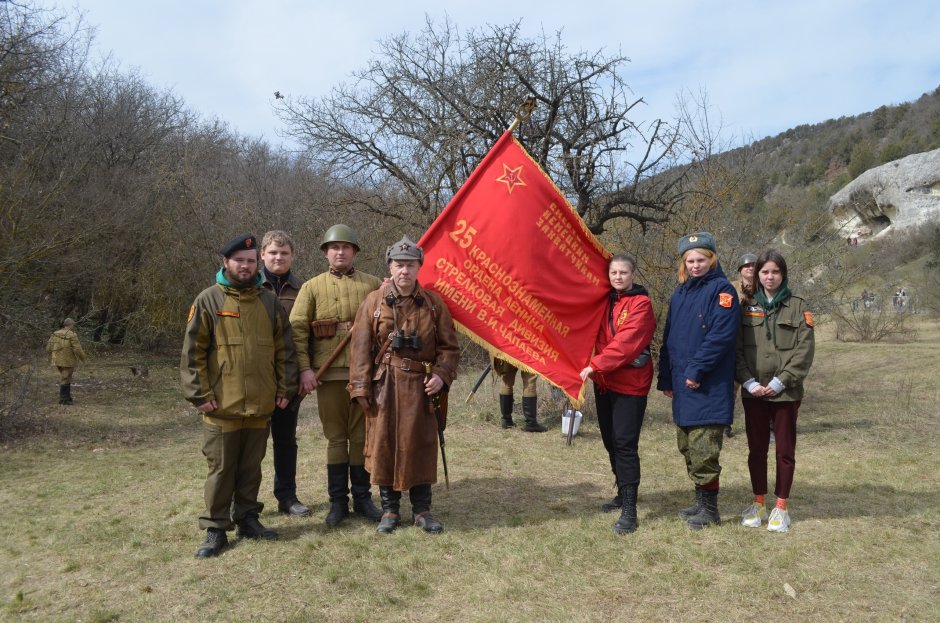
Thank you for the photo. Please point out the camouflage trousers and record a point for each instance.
(701, 447)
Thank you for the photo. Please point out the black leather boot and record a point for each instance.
(251, 528)
(529, 410)
(615, 503)
(505, 409)
(708, 515)
(216, 541)
(337, 479)
(362, 497)
(421, 509)
(391, 503)
(627, 522)
(63, 394)
(68, 394)
(693, 510)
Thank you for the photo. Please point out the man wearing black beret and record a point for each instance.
(237, 364)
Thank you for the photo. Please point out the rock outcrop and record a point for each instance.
(897, 195)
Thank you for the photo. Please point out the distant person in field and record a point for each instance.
(403, 359)
(66, 352)
(236, 367)
(277, 255)
(696, 368)
(774, 354)
(507, 374)
(622, 371)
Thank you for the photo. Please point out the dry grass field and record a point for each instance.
(100, 516)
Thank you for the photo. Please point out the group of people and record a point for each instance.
(377, 353)
(381, 354)
(759, 336)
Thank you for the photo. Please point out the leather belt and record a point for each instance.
(403, 363)
(344, 325)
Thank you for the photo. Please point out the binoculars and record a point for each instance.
(400, 340)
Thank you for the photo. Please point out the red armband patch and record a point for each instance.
(725, 299)
(809, 319)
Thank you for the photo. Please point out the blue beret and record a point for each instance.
(245, 242)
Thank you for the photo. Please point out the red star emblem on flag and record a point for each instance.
(511, 177)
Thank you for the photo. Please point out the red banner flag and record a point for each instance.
(518, 269)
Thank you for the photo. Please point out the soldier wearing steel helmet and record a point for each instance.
(321, 317)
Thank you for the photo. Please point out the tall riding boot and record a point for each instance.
(391, 517)
(708, 515)
(627, 522)
(68, 394)
(421, 509)
(337, 477)
(63, 394)
(505, 409)
(693, 510)
(362, 497)
(529, 407)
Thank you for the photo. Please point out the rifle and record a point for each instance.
(326, 365)
(479, 382)
(439, 415)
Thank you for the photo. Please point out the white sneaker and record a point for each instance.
(754, 515)
(779, 521)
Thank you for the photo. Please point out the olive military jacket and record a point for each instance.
(328, 296)
(65, 348)
(784, 351)
(237, 351)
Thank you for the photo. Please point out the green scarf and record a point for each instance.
(771, 307)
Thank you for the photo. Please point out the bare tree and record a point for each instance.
(414, 123)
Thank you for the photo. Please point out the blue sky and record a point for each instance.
(766, 67)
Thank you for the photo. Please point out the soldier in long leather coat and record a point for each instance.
(399, 329)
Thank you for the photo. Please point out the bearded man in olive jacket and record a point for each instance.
(237, 364)
(404, 351)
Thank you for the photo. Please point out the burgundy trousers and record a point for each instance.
(758, 414)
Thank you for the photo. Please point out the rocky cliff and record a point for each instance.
(897, 195)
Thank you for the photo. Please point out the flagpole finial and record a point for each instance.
(525, 111)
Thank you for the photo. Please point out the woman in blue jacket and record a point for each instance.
(696, 368)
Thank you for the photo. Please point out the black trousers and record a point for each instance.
(620, 418)
(284, 442)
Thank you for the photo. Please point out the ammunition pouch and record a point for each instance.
(324, 328)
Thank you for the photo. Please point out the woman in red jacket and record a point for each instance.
(622, 371)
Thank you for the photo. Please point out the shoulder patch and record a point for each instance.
(192, 312)
(725, 299)
(809, 319)
(622, 318)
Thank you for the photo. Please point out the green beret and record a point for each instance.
(245, 242)
(404, 249)
(698, 240)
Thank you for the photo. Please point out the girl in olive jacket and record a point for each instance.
(774, 354)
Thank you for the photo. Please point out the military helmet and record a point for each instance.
(340, 233)
(747, 258)
(404, 249)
